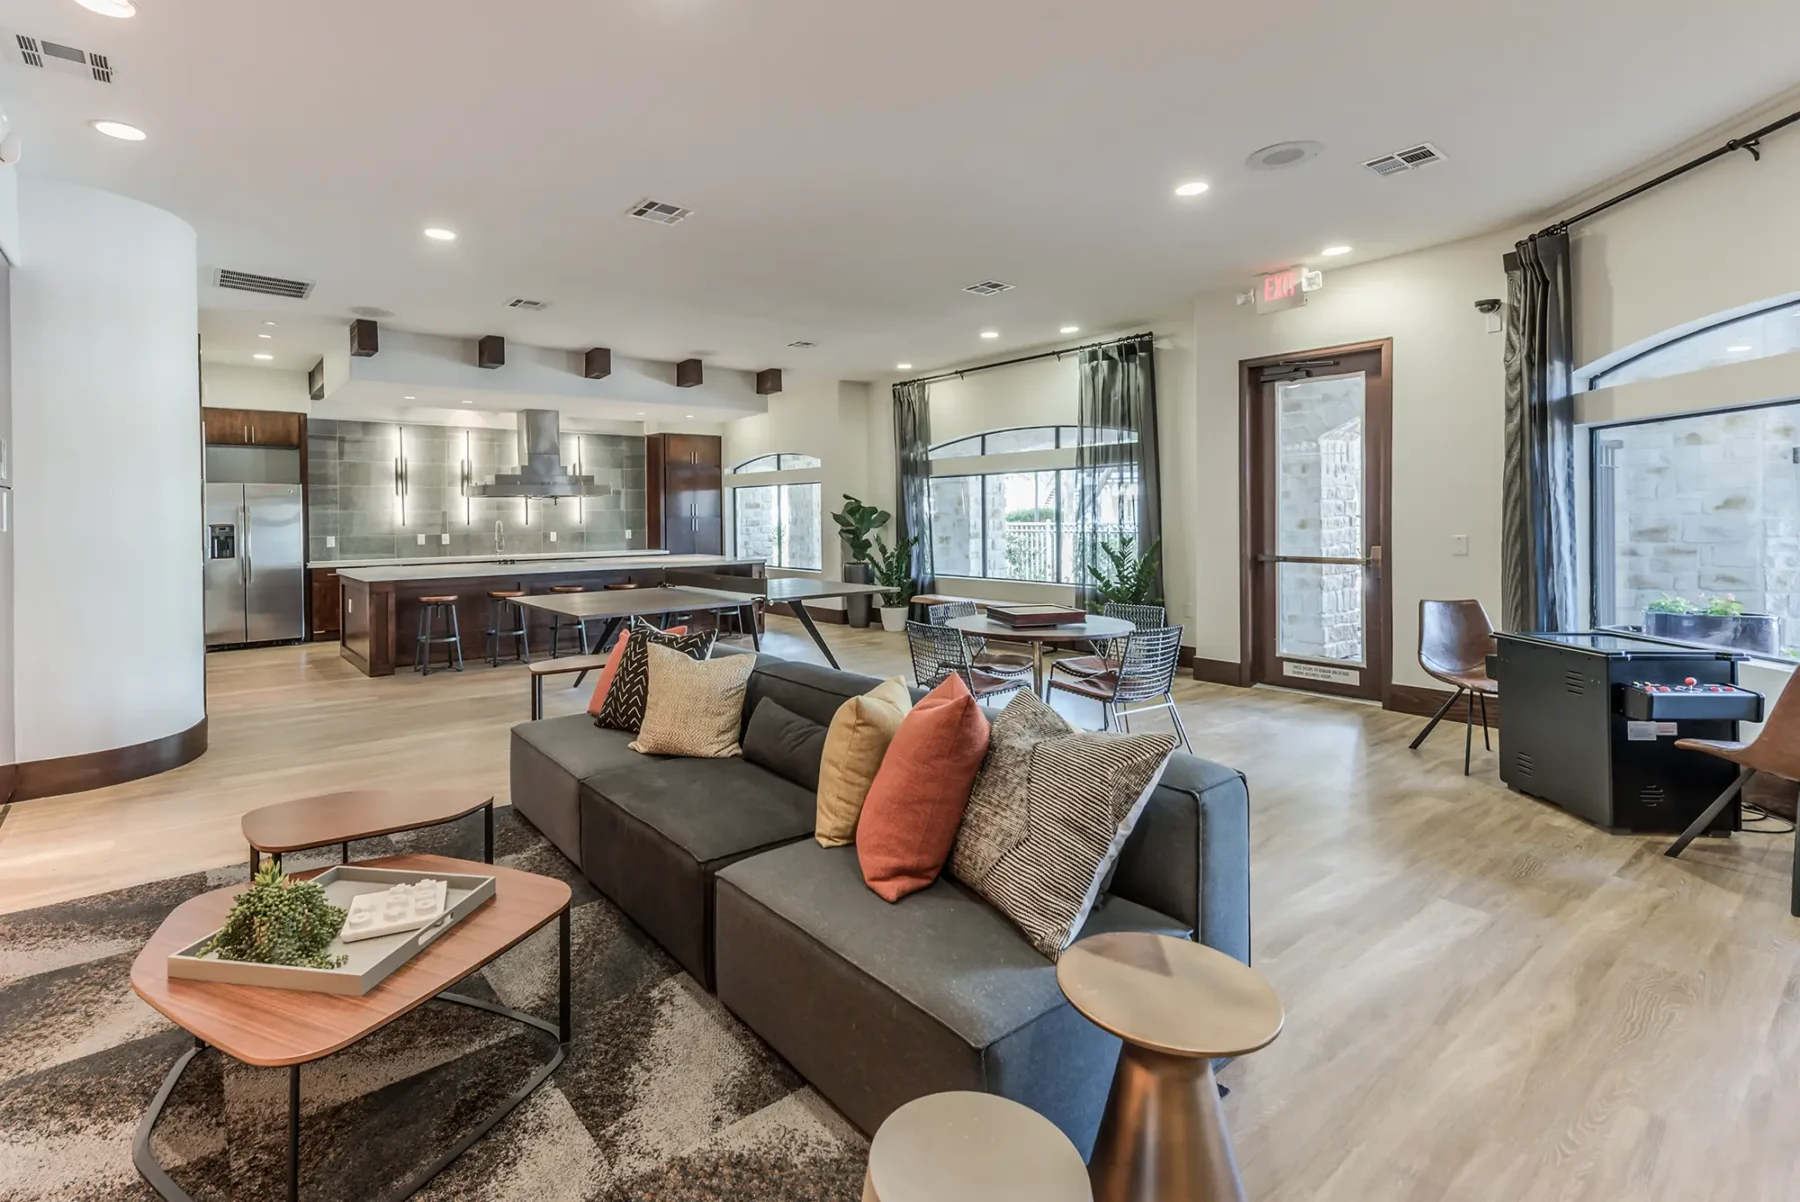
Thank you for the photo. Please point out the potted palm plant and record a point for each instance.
(856, 522)
(893, 571)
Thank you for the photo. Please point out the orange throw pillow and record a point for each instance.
(611, 669)
(915, 807)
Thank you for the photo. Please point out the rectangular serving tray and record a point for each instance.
(371, 961)
(1021, 616)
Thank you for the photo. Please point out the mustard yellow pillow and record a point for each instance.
(854, 745)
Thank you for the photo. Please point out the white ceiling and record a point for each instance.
(851, 166)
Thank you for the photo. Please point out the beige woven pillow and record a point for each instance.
(695, 706)
(857, 740)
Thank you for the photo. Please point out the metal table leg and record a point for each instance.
(487, 831)
(606, 633)
(293, 1166)
(798, 609)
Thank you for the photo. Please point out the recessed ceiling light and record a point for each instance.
(902, 367)
(640, 415)
(262, 356)
(990, 333)
(120, 130)
(1334, 251)
(268, 323)
(690, 417)
(1742, 348)
(1192, 188)
(1070, 330)
(439, 234)
(265, 335)
(409, 398)
(466, 400)
(110, 8)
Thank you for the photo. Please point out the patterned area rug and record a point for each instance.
(664, 1095)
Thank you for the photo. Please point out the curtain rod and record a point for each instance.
(1068, 350)
(1751, 142)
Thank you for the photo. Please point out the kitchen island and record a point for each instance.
(380, 603)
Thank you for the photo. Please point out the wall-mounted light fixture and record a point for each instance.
(400, 481)
(468, 504)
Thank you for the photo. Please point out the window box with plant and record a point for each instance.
(1715, 621)
(893, 572)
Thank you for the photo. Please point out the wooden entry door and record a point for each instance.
(1318, 453)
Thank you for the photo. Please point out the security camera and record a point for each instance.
(1487, 306)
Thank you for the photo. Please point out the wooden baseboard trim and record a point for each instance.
(1424, 701)
(1222, 671)
(9, 781)
(826, 613)
(97, 769)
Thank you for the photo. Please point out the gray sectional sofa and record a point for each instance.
(874, 1004)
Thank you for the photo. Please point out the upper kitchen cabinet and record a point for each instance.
(253, 427)
(684, 493)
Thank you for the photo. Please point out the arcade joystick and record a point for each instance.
(1690, 682)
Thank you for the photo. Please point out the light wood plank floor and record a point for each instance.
(1486, 999)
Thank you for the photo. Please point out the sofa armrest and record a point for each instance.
(1189, 856)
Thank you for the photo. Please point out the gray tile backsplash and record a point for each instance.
(351, 495)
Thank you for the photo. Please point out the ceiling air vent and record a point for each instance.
(267, 285)
(1410, 159)
(54, 56)
(1282, 155)
(519, 302)
(803, 345)
(988, 288)
(660, 212)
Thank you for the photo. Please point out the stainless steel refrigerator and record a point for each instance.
(255, 564)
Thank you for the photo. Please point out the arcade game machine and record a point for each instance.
(1589, 720)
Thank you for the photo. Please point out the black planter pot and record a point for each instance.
(1756, 633)
(858, 609)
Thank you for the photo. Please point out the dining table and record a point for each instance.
(1095, 629)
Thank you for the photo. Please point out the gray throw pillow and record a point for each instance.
(786, 744)
(1048, 816)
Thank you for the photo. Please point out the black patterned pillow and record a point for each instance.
(1049, 815)
(630, 692)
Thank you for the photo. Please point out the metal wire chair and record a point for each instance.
(938, 652)
(1002, 663)
(1146, 672)
(1107, 653)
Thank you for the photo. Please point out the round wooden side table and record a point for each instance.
(1177, 1005)
(972, 1147)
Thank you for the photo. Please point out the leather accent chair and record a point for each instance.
(1455, 639)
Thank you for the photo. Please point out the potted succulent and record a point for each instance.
(893, 571)
(1126, 577)
(279, 920)
(1718, 621)
(856, 522)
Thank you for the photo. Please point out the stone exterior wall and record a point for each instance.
(1320, 512)
(1708, 506)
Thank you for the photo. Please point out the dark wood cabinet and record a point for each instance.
(326, 603)
(684, 487)
(253, 427)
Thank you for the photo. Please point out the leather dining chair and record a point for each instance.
(1776, 750)
(1455, 639)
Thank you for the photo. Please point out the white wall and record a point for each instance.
(8, 748)
(1448, 430)
(10, 248)
(107, 474)
(229, 386)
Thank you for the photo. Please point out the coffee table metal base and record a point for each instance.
(144, 1157)
(1162, 1137)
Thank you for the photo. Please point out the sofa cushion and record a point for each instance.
(785, 743)
(694, 706)
(877, 1005)
(614, 658)
(623, 708)
(809, 690)
(654, 831)
(550, 759)
(855, 744)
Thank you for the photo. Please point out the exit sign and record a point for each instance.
(1286, 289)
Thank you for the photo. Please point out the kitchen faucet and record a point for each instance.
(499, 537)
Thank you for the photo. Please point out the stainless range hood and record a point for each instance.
(541, 473)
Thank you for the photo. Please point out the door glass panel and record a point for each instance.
(1319, 512)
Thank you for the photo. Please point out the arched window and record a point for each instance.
(1771, 331)
(1012, 516)
(778, 522)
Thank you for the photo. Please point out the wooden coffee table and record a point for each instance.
(288, 1027)
(359, 814)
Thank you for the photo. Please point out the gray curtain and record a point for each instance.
(1537, 539)
(1117, 449)
(912, 451)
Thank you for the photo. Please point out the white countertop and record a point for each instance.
(524, 566)
(407, 561)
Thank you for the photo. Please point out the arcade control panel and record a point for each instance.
(1689, 701)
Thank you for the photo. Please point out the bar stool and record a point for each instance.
(556, 621)
(430, 608)
(972, 1147)
(504, 607)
